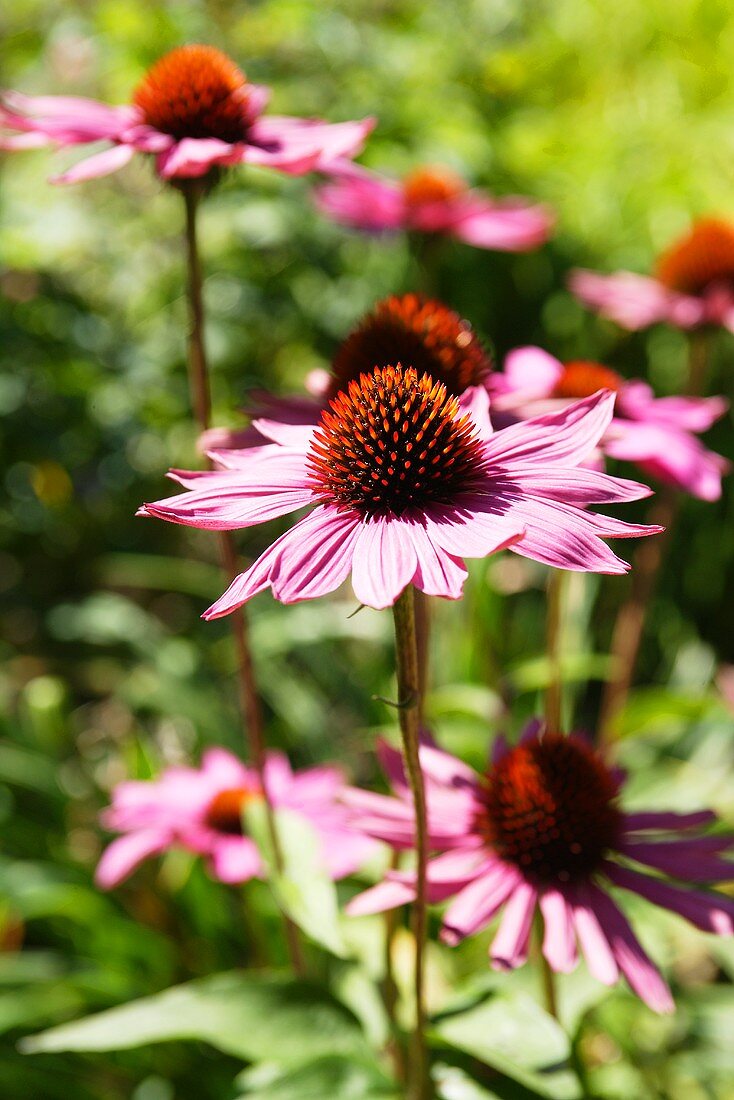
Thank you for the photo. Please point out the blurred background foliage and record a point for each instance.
(619, 115)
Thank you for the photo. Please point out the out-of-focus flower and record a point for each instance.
(403, 487)
(200, 809)
(543, 829)
(434, 200)
(194, 110)
(409, 329)
(693, 284)
(659, 434)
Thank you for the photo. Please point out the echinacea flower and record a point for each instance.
(693, 284)
(544, 830)
(402, 487)
(409, 328)
(200, 810)
(194, 110)
(433, 200)
(658, 434)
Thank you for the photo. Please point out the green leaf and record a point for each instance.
(303, 888)
(251, 1016)
(513, 1035)
(333, 1075)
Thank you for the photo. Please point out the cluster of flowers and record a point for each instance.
(413, 454)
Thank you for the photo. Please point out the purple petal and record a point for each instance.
(656, 819)
(559, 940)
(710, 912)
(592, 937)
(691, 860)
(510, 946)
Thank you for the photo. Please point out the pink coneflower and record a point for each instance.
(434, 200)
(194, 110)
(409, 328)
(543, 829)
(659, 434)
(201, 810)
(402, 488)
(693, 284)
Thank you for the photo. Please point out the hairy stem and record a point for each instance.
(201, 404)
(406, 656)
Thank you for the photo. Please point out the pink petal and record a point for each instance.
(438, 572)
(559, 940)
(531, 372)
(385, 561)
(577, 486)
(634, 301)
(318, 556)
(474, 527)
(508, 225)
(510, 946)
(298, 145)
(710, 912)
(562, 537)
(363, 200)
(101, 164)
(386, 895)
(235, 859)
(592, 937)
(226, 770)
(125, 853)
(643, 977)
(568, 435)
(194, 157)
(477, 903)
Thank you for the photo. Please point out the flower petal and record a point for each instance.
(568, 435)
(710, 912)
(510, 946)
(559, 940)
(385, 561)
(477, 903)
(101, 164)
(125, 853)
(386, 895)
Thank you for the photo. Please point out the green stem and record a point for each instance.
(406, 656)
(192, 191)
(554, 626)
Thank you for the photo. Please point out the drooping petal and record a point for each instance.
(438, 573)
(125, 853)
(510, 946)
(477, 903)
(363, 200)
(385, 561)
(298, 145)
(578, 486)
(386, 895)
(693, 860)
(235, 859)
(559, 939)
(101, 164)
(657, 819)
(191, 158)
(709, 912)
(634, 301)
(506, 225)
(592, 937)
(319, 556)
(642, 975)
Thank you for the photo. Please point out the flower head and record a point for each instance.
(433, 199)
(544, 829)
(201, 810)
(660, 435)
(693, 284)
(194, 110)
(402, 486)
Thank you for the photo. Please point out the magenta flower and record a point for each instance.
(194, 110)
(659, 434)
(433, 200)
(693, 284)
(407, 328)
(402, 488)
(201, 810)
(543, 829)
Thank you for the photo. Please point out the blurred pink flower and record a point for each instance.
(656, 433)
(201, 810)
(543, 830)
(693, 284)
(433, 200)
(402, 489)
(194, 110)
(410, 329)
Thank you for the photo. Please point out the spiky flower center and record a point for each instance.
(224, 812)
(550, 808)
(582, 378)
(704, 256)
(420, 332)
(429, 184)
(195, 92)
(394, 440)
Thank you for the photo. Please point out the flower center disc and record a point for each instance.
(195, 92)
(704, 256)
(582, 378)
(550, 809)
(431, 184)
(391, 441)
(224, 812)
(420, 332)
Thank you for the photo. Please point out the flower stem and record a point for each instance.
(391, 924)
(193, 191)
(554, 691)
(406, 656)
